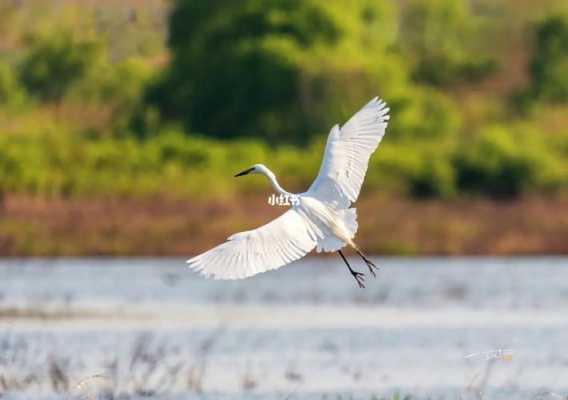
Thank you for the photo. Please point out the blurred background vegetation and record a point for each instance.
(138, 99)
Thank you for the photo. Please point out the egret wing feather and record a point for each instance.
(281, 241)
(347, 154)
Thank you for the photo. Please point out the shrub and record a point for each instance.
(442, 38)
(422, 114)
(55, 62)
(499, 163)
(549, 63)
(278, 67)
(11, 93)
(120, 86)
(436, 179)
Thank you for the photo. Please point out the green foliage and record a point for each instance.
(496, 163)
(423, 114)
(503, 164)
(440, 36)
(59, 66)
(170, 163)
(56, 62)
(274, 69)
(119, 86)
(11, 93)
(435, 179)
(286, 71)
(130, 119)
(549, 64)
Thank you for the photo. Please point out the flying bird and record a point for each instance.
(320, 218)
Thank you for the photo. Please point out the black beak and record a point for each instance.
(246, 171)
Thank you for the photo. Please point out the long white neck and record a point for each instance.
(275, 185)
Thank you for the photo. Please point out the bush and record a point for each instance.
(549, 63)
(11, 93)
(496, 163)
(441, 38)
(422, 114)
(270, 75)
(119, 86)
(55, 62)
(499, 163)
(281, 70)
(436, 179)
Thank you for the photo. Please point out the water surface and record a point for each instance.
(448, 328)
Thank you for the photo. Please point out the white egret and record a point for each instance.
(319, 218)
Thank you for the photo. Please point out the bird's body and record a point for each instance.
(334, 227)
(320, 218)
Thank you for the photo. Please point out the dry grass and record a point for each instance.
(155, 227)
(149, 370)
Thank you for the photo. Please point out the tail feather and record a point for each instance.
(333, 243)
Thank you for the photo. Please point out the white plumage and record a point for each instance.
(320, 217)
(281, 241)
(347, 154)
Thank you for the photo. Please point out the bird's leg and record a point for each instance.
(359, 277)
(372, 267)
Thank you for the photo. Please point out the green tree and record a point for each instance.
(281, 69)
(549, 65)
(441, 39)
(499, 163)
(11, 93)
(55, 62)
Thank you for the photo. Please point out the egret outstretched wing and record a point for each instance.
(347, 154)
(281, 241)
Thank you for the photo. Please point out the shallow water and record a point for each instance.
(444, 328)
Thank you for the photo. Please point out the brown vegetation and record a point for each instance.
(159, 227)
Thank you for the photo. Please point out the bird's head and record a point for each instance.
(255, 169)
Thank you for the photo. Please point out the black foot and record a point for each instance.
(372, 267)
(360, 278)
